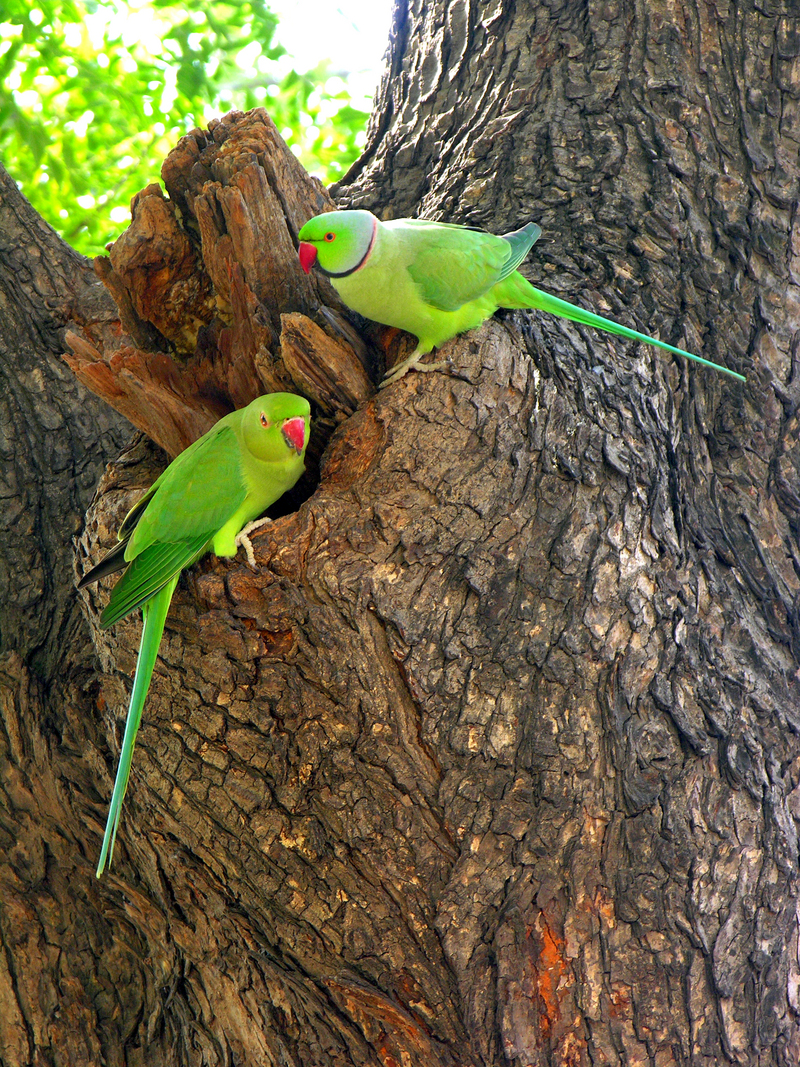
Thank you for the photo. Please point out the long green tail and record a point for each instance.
(154, 614)
(537, 299)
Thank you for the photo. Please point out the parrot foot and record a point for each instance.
(243, 539)
(412, 363)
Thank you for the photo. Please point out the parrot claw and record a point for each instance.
(243, 539)
(413, 363)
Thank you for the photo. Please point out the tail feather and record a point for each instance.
(520, 293)
(110, 563)
(154, 614)
(521, 242)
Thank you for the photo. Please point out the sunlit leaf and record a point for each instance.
(96, 92)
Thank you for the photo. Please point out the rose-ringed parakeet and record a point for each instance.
(204, 501)
(436, 280)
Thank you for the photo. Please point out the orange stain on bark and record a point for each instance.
(551, 969)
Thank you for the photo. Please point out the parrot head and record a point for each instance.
(339, 242)
(277, 424)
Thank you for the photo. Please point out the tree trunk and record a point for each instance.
(494, 761)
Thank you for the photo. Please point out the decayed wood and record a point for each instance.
(323, 366)
(155, 275)
(201, 280)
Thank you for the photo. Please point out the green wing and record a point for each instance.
(119, 556)
(198, 492)
(149, 573)
(185, 507)
(454, 265)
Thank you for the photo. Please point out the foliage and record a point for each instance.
(96, 92)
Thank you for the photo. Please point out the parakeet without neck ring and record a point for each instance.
(436, 280)
(204, 501)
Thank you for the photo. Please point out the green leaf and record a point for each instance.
(93, 98)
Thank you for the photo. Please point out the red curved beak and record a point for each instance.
(308, 255)
(294, 433)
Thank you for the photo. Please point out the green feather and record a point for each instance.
(436, 280)
(588, 318)
(148, 573)
(154, 614)
(475, 260)
(202, 500)
(197, 492)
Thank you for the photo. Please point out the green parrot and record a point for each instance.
(436, 280)
(204, 501)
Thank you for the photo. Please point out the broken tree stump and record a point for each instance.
(202, 278)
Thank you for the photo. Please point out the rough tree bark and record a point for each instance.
(494, 761)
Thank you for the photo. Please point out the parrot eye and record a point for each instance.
(264, 421)
(330, 237)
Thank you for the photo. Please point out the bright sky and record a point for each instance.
(349, 36)
(352, 34)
